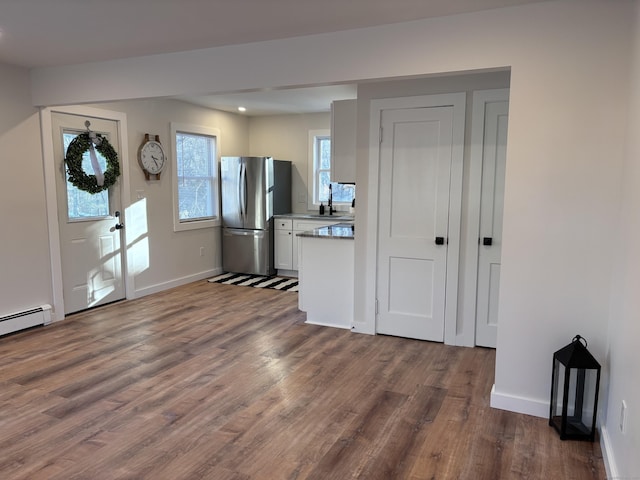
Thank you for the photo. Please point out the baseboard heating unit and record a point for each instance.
(29, 318)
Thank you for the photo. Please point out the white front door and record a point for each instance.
(416, 154)
(494, 155)
(91, 257)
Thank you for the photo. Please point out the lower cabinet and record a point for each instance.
(283, 245)
(326, 281)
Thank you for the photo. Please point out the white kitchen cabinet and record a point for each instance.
(283, 248)
(343, 141)
(327, 281)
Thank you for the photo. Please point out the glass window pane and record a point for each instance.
(324, 148)
(194, 155)
(195, 198)
(342, 193)
(81, 204)
(323, 186)
(196, 172)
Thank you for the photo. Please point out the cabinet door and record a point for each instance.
(343, 141)
(283, 250)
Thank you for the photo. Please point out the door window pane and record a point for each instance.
(83, 205)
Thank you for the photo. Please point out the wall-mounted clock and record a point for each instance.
(152, 157)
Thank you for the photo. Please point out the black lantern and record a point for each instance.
(574, 391)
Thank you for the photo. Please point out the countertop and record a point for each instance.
(341, 231)
(315, 216)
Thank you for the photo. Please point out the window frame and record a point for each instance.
(312, 173)
(189, 129)
(312, 180)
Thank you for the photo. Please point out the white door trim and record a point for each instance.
(467, 336)
(50, 194)
(458, 102)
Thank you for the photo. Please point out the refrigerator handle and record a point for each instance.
(242, 194)
(244, 189)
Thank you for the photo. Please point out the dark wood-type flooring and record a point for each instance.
(221, 382)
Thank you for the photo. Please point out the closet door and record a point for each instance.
(417, 157)
(494, 146)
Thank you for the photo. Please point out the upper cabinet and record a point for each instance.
(343, 141)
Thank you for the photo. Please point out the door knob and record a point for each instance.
(487, 241)
(439, 240)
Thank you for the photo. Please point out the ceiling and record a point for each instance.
(42, 33)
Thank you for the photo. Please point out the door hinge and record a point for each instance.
(376, 306)
(380, 137)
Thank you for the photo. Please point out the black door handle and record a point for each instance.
(439, 240)
(487, 241)
(119, 226)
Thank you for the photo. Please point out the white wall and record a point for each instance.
(567, 129)
(286, 137)
(624, 328)
(565, 146)
(173, 257)
(25, 278)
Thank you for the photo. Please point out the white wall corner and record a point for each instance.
(517, 404)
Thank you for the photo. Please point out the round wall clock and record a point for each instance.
(152, 157)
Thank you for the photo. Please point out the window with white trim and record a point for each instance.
(195, 176)
(319, 177)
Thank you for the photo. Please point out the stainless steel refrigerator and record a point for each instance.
(253, 190)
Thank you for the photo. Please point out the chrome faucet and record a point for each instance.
(331, 209)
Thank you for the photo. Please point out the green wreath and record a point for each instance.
(77, 176)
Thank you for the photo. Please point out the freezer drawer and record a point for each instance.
(247, 251)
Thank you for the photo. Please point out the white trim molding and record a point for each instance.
(518, 404)
(50, 194)
(177, 282)
(187, 129)
(377, 106)
(607, 454)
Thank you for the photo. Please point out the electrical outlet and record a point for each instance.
(623, 417)
(202, 251)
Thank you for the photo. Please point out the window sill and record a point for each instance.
(196, 225)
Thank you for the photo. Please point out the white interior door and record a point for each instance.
(491, 211)
(91, 257)
(415, 180)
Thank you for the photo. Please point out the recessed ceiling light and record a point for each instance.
(242, 109)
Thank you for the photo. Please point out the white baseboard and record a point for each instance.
(607, 454)
(333, 325)
(517, 404)
(159, 287)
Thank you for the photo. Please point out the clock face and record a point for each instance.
(152, 157)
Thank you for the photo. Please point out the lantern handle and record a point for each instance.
(580, 339)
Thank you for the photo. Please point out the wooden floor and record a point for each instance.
(221, 382)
